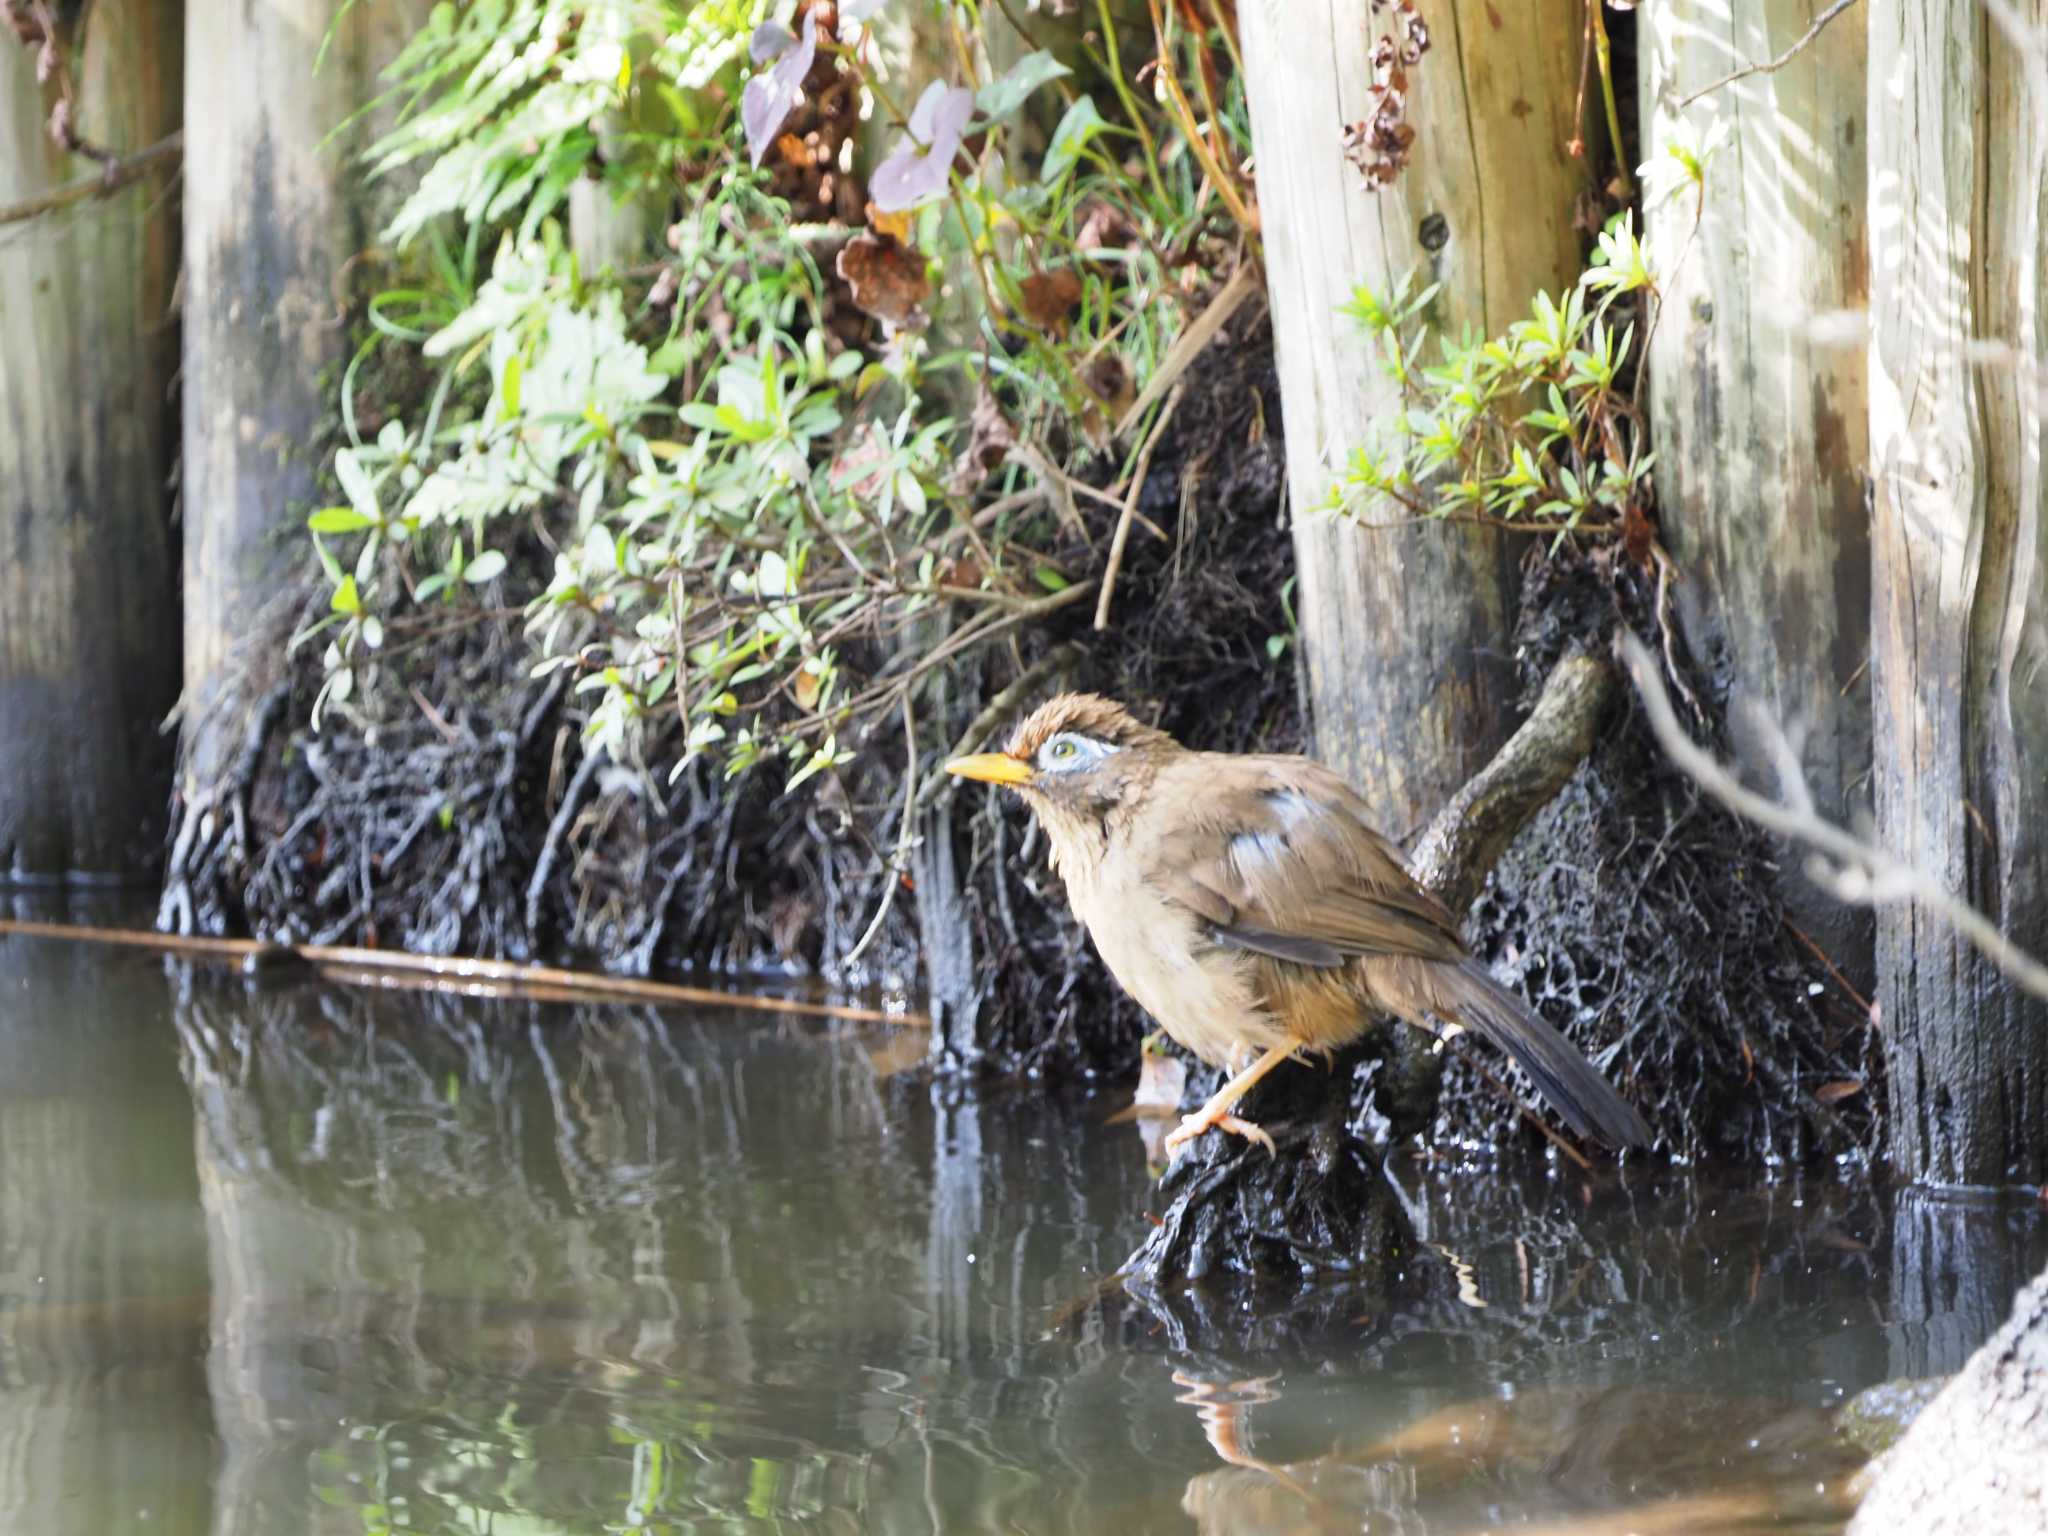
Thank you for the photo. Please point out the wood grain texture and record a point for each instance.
(1961, 582)
(88, 626)
(1404, 629)
(1760, 416)
(275, 207)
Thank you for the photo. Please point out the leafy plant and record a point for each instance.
(725, 499)
(1538, 427)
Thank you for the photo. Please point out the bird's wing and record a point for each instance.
(1275, 855)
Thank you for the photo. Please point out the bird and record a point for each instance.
(1247, 903)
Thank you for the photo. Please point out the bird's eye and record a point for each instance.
(1063, 749)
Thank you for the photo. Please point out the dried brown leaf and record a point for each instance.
(1050, 297)
(887, 279)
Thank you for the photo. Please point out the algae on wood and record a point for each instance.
(88, 626)
(275, 211)
(1758, 404)
(1960, 573)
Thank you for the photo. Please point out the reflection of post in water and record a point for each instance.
(102, 1259)
(499, 1256)
(1957, 1263)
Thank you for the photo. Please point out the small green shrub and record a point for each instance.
(747, 502)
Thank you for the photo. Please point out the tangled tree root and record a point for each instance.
(457, 812)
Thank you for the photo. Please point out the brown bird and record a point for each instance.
(1248, 906)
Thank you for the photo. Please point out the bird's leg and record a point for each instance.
(1216, 1114)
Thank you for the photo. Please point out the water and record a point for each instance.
(282, 1257)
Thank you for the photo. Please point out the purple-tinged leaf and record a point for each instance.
(940, 111)
(917, 170)
(770, 98)
(770, 41)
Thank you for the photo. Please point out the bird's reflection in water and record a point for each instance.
(1590, 1461)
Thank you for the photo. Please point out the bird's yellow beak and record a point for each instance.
(992, 768)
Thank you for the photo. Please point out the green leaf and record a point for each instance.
(999, 98)
(487, 566)
(346, 598)
(356, 484)
(340, 520)
(1081, 124)
(328, 563)
(515, 376)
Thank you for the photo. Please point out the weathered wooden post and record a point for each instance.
(1404, 628)
(1759, 415)
(1959, 665)
(88, 622)
(274, 208)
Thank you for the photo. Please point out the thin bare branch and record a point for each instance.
(1861, 873)
(1130, 509)
(906, 838)
(1772, 66)
(116, 176)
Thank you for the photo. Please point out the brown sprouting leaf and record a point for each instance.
(27, 25)
(1050, 297)
(1104, 226)
(887, 279)
(1834, 1093)
(1379, 143)
(1638, 533)
(989, 440)
(1109, 379)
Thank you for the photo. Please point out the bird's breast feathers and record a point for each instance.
(1202, 994)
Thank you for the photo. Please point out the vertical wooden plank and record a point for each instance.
(1404, 628)
(274, 207)
(88, 627)
(1759, 414)
(1961, 589)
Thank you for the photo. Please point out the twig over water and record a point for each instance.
(1862, 873)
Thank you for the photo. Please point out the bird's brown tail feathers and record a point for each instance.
(1467, 995)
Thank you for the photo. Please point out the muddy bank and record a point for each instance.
(461, 816)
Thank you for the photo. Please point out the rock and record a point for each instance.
(1975, 1461)
(1875, 1418)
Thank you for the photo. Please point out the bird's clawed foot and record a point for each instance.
(1210, 1118)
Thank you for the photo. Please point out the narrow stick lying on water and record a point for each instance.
(503, 977)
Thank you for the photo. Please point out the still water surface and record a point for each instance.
(278, 1257)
